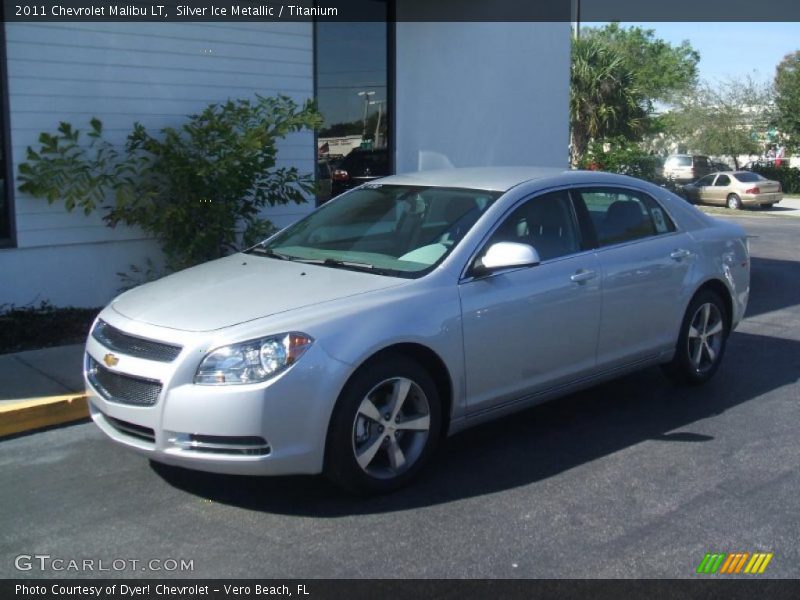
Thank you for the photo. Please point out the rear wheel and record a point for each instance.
(734, 202)
(702, 339)
(385, 426)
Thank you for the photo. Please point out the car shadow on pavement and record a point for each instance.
(773, 285)
(534, 444)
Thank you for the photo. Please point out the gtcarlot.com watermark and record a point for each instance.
(48, 563)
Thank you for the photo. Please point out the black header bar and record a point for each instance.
(585, 11)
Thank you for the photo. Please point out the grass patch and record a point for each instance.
(32, 327)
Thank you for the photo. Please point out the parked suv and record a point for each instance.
(359, 167)
(684, 168)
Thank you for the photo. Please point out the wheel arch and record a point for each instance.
(718, 287)
(429, 360)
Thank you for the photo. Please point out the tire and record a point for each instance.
(701, 342)
(734, 202)
(368, 453)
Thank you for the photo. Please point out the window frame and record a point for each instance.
(9, 239)
(585, 245)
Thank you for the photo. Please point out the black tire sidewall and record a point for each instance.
(681, 366)
(340, 462)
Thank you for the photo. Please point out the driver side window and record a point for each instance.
(546, 222)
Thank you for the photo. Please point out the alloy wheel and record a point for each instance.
(391, 428)
(706, 331)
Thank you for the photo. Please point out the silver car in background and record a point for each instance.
(410, 308)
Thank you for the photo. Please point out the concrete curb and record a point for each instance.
(36, 413)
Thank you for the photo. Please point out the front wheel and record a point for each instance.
(702, 339)
(385, 426)
(734, 202)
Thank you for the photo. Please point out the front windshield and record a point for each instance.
(387, 229)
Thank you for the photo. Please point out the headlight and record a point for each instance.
(253, 361)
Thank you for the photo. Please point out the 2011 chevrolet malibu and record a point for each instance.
(410, 308)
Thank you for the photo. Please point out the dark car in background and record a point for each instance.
(358, 167)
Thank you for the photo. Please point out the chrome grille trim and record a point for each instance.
(220, 444)
(122, 389)
(137, 431)
(131, 345)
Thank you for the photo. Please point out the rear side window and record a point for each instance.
(722, 181)
(749, 177)
(680, 161)
(620, 215)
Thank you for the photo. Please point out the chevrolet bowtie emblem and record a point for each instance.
(110, 360)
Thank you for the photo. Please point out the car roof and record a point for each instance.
(498, 179)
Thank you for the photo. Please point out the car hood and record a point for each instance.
(241, 288)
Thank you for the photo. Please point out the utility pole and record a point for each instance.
(380, 104)
(366, 96)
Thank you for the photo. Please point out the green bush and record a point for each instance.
(199, 189)
(622, 156)
(789, 178)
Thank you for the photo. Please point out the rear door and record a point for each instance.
(645, 264)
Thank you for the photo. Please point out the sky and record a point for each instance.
(733, 50)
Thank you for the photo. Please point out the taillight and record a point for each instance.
(753, 190)
(340, 175)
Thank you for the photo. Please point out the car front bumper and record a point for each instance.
(277, 427)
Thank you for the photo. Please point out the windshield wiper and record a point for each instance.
(350, 264)
(325, 262)
(271, 253)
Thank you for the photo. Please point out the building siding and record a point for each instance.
(505, 103)
(124, 72)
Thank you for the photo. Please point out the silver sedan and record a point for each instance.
(410, 308)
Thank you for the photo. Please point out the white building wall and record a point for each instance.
(148, 72)
(481, 94)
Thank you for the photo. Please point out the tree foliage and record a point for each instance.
(787, 99)
(618, 75)
(728, 119)
(659, 70)
(199, 189)
(604, 102)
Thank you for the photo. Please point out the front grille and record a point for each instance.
(123, 389)
(122, 342)
(132, 430)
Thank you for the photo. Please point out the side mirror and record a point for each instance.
(503, 255)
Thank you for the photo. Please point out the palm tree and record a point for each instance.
(604, 101)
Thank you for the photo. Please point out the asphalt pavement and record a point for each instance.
(633, 478)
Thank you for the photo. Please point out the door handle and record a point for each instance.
(583, 275)
(680, 254)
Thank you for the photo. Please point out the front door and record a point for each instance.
(533, 328)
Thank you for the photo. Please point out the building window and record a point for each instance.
(353, 97)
